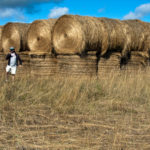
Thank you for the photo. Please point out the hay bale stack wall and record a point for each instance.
(136, 62)
(43, 64)
(73, 65)
(39, 35)
(14, 34)
(62, 65)
(102, 41)
(106, 65)
(113, 64)
(25, 70)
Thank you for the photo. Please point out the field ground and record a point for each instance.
(55, 113)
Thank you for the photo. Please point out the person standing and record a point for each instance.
(13, 59)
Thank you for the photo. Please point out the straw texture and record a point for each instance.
(39, 35)
(14, 34)
(73, 34)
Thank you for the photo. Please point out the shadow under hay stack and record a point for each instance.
(135, 63)
(39, 35)
(112, 63)
(14, 34)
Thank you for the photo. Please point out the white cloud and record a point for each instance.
(11, 13)
(58, 11)
(139, 12)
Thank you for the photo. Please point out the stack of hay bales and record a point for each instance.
(135, 63)
(109, 64)
(74, 65)
(65, 63)
(73, 34)
(39, 35)
(78, 34)
(43, 64)
(14, 34)
(138, 34)
(76, 45)
(62, 65)
(113, 64)
(40, 47)
(25, 70)
(72, 37)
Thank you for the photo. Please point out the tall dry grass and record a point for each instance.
(111, 112)
(58, 92)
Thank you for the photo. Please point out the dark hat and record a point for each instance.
(12, 48)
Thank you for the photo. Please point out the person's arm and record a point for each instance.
(8, 56)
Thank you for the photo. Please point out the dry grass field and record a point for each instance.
(54, 113)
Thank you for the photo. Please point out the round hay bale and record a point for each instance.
(138, 35)
(116, 35)
(39, 35)
(1, 28)
(14, 34)
(77, 34)
(70, 34)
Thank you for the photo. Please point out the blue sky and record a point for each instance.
(30, 10)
